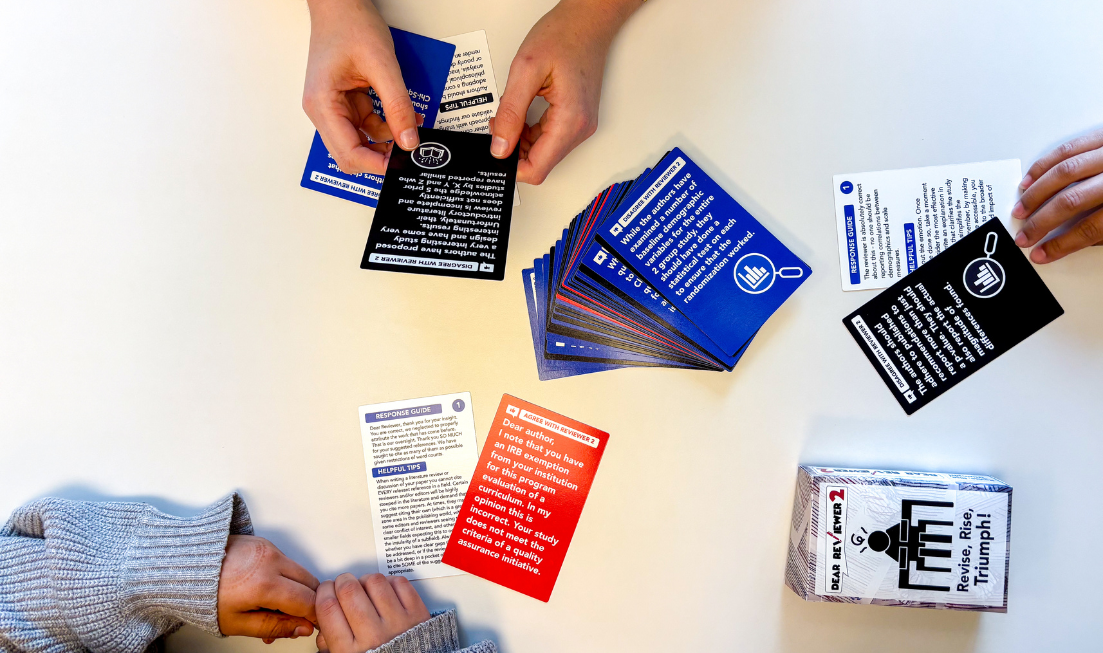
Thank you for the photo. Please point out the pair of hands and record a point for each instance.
(562, 60)
(263, 593)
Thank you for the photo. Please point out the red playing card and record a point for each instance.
(525, 498)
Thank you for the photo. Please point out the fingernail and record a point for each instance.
(1018, 211)
(303, 631)
(1020, 239)
(499, 147)
(1038, 255)
(1026, 182)
(408, 139)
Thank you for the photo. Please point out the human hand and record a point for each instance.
(563, 61)
(350, 50)
(1050, 200)
(358, 615)
(263, 593)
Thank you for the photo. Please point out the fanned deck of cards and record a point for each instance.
(666, 270)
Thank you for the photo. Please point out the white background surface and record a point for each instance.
(178, 318)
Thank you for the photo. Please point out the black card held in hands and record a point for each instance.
(952, 316)
(444, 209)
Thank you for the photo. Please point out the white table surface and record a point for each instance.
(179, 319)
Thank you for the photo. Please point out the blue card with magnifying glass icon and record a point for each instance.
(701, 250)
(953, 315)
(665, 270)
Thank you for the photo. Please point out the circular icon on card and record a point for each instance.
(458, 405)
(431, 156)
(984, 277)
(846, 187)
(754, 273)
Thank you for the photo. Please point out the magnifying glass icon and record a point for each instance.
(755, 273)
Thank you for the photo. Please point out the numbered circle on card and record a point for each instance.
(458, 405)
(754, 273)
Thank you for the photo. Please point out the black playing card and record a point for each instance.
(444, 209)
(952, 316)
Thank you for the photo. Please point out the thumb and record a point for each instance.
(273, 625)
(397, 107)
(521, 87)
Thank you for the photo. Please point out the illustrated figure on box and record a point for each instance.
(907, 543)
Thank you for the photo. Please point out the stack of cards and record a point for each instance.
(666, 270)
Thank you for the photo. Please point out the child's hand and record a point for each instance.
(350, 50)
(358, 615)
(1049, 199)
(263, 593)
(563, 61)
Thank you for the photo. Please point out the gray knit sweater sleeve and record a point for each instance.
(438, 635)
(78, 576)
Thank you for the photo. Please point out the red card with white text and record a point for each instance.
(525, 498)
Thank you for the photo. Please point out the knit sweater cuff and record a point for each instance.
(438, 635)
(170, 571)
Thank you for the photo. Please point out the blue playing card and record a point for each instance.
(425, 63)
(619, 279)
(550, 369)
(698, 247)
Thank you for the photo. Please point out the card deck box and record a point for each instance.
(912, 539)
